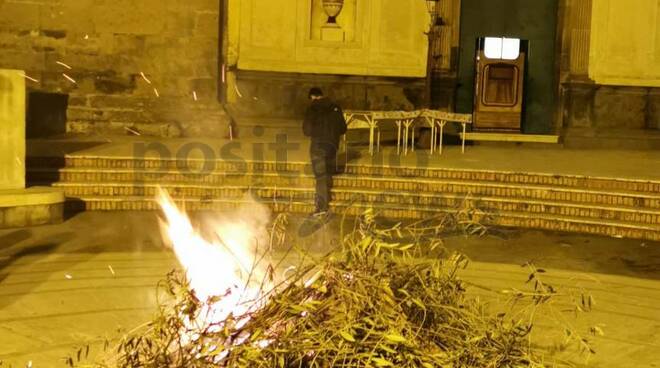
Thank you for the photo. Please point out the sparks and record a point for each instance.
(30, 78)
(69, 78)
(194, 95)
(111, 270)
(132, 130)
(145, 78)
(68, 277)
(237, 91)
(156, 92)
(64, 65)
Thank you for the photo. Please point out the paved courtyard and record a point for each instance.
(80, 282)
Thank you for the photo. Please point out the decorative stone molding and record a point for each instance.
(331, 30)
(579, 28)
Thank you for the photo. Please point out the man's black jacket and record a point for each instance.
(324, 122)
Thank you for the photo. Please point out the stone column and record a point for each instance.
(20, 206)
(445, 54)
(577, 91)
(12, 129)
(580, 33)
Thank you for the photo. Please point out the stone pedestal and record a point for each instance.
(12, 129)
(20, 206)
(332, 33)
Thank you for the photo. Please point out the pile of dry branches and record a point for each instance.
(379, 301)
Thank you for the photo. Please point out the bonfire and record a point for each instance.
(378, 301)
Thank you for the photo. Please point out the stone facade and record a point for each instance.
(160, 67)
(109, 46)
(275, 51)
(284, 95)
(592, 112)
(593, 106)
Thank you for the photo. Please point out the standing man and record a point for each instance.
(324, 123)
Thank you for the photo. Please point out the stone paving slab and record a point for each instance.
(44, 315)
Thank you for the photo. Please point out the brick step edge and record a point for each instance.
(78, 176)
(506, 219)
(284, 192)
(564, 180)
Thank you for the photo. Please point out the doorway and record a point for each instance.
(535, 21)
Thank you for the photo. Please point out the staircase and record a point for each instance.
(612, 207)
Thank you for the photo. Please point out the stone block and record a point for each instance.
(12, 129)
(78, 101)
(206, 23)
(15, 216)
(216, 128)
(200, 48)
(205, 88)
(204, 5)
(11, 40)
(79, 127)
(128, 115)
(72, 15)
(620, 107)
(19, 16)
(128, 17)
(85, 63)
(116, 102)
(180, 23)
(111, 83)
(37, 215)
(579, 105)
(31, 215)
(130, 44)
(653, 118)
(206, 68)
(84, 114)
(27, 59)
(332, 34)
(388, 97)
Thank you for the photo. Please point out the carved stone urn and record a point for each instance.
(332, 9)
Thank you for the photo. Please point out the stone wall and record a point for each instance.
(623, 113)
(591, 106)
(109, 45)
(284, 95)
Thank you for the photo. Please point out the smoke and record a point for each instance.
(246, 225)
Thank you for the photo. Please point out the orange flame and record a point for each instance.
(230, 267)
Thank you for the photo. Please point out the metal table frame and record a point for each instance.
(405, 120)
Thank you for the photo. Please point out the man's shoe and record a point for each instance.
(320, 215)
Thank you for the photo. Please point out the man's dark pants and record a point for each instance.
(323, 157)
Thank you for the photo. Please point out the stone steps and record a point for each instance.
(347, 181)
(95, 163)
(606, 206)
(505, 218)
(377, 197)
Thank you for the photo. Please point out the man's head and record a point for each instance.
(315, 93)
